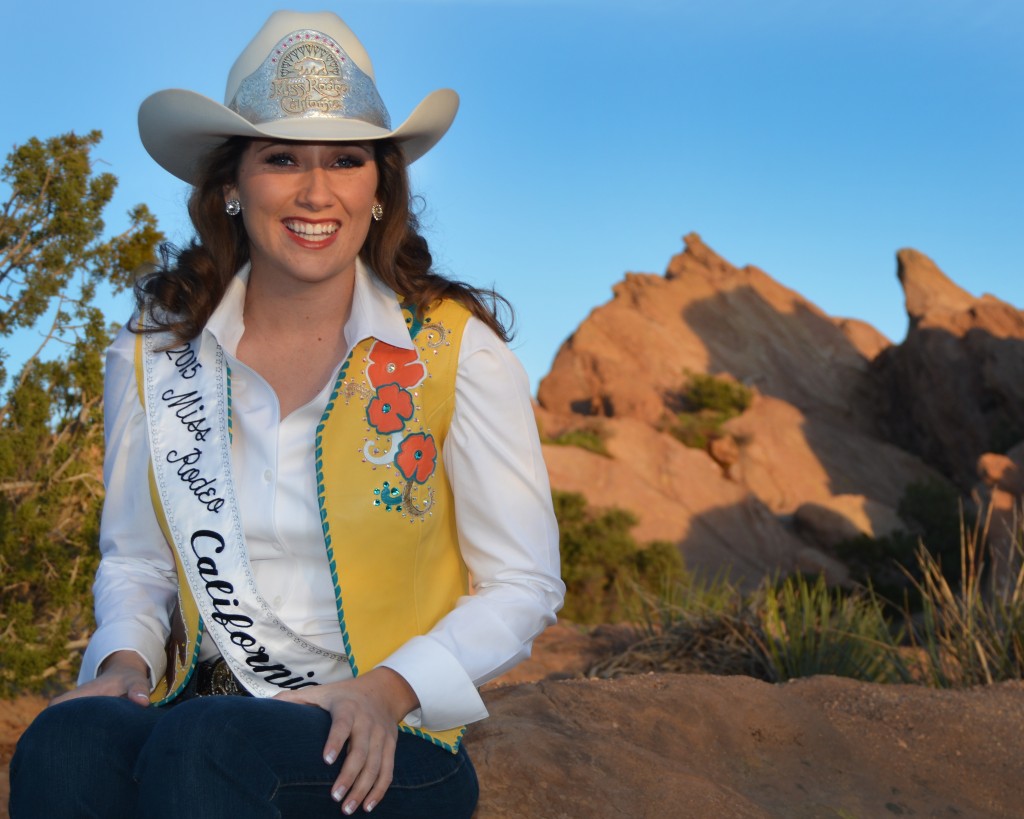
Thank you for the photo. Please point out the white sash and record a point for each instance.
(188, 408)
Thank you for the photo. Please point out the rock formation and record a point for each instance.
(954, 389)
(841, 423)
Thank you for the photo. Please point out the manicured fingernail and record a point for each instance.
(369, 806)
(330, 756)
(349, 809)
(337, 793)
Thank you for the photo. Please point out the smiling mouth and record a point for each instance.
(312, 231)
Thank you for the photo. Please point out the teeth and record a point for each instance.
(309, 229)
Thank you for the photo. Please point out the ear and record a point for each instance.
(230, 192)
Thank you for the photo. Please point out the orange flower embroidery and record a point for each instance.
(388, 411)
(417, 457)
(393, 365)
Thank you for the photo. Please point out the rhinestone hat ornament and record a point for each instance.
(308, 74)
(303, 77)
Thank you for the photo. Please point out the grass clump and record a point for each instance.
(591, 439)
(971, 633)
(805, 628)
(796, 627)
(708, 402)
(966, 627)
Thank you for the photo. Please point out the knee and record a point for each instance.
(92, 742)
(75, 730)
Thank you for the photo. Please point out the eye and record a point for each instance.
(349, 160)
(281, 159)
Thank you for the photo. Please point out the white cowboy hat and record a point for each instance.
(304, 76)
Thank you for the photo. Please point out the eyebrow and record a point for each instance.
(291, 143)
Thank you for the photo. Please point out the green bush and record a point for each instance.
(931, 511)
(708, 403)
(708, 392)
(601, 560)
(591, 439)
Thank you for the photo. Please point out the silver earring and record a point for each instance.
(377, 211)
(232, 207)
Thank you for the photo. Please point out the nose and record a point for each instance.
(315, 192)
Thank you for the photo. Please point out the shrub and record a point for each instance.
(588, 438)
(708, 392)
(708, 402)
(932, 513)
(933, 509)
(796, 627)
(600, 558)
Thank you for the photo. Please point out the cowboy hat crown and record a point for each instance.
(304, 76)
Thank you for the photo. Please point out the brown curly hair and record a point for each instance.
(181, 294)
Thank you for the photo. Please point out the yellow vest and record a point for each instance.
(385, 502)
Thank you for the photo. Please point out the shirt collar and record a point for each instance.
(375, 313)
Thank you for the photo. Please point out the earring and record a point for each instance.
(232, 207)
(377, 211)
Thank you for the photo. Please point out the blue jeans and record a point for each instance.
(219, 757)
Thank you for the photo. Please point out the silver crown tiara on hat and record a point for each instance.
(308, 74)
(305, 77)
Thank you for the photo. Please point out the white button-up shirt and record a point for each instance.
(506, 526)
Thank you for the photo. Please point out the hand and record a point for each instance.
(122, 674)
(365, 712)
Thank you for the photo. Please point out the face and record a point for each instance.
(306, 207)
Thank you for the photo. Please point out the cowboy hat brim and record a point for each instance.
(178, 128)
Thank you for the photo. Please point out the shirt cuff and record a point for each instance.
(126, 636)
(447, 695)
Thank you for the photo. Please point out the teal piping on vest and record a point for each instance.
(416, 732)
(321, 501)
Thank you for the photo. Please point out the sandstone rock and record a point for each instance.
(865, 339)
(954, 389)
(724, 451)
(630, 357)
(812, 434)
(680, 495)
(926, 289)
(1001, 472)
(697, 746)
(1001, 492)
(844, 517)
(789, 458)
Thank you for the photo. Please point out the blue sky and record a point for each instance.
(812, 138)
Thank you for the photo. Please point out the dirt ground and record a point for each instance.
(666, 745)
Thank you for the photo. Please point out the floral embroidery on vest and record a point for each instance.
(395, 436)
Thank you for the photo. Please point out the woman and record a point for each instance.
(322, 496)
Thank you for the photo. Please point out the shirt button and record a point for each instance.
(268, 475)
(278, 601)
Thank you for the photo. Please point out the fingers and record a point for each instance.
(129, 683)
(138, 692)
(368, 768)
(384, 775)
(364, 727)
